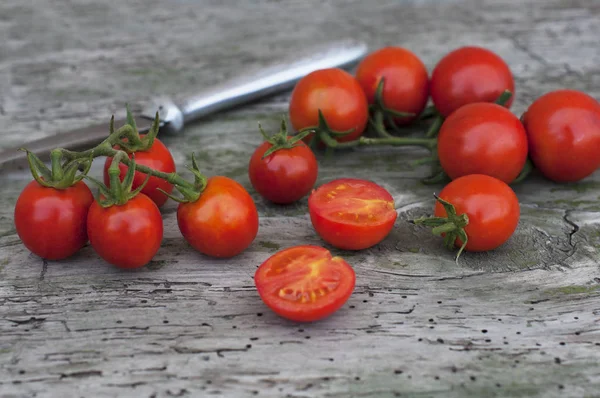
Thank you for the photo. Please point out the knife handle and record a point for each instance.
(274, 79)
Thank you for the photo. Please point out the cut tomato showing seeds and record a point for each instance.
(304, 283)
(352, 214)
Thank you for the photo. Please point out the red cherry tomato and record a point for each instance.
(127, 236)
(491, 205)
(563, 128)
(157, 157)
(467, 75)
(352, 214)
(51, 222)
(406, 82)
(339, 97)
(284, 176)
(482, 138)
(304, 283)
(223, 222)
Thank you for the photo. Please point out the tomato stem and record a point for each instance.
(525, 172)
(434, 129)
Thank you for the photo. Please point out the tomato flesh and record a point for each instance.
(491, 205)
(352, 214)
(563, 128)
(482, 138)
(52, 223)
(304, 283)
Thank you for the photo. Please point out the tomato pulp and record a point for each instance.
(52, 223)
(223, 222)
(482, 138)
(304, 283)
(469, 74)
(406, 81)
(352, 214)
(563, 128)
(339, 97)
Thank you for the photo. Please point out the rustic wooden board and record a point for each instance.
(523, 320)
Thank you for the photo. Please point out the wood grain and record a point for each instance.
(523, 320)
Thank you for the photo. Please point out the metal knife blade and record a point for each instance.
(271, 80)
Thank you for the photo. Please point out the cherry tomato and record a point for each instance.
(304, 283)
(563, 128)
(51, 222)
(491, 206)
(406, 82)
(352, 214)
(157, 157)
(467, 75)
(284, 176)
(127, 236)
(223, 222)
(339, 97)
(482, 138)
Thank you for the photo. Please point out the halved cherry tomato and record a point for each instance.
(467, 75)
(352, 214)
(482, 138)
(563, 128)
(491, 206)
(339, 97)
(284, 176)
(127, 236)
(51, 222)
(157, 157)
(304, 283)
(223, 222)
(406, 81)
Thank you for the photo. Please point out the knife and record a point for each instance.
(175, 115)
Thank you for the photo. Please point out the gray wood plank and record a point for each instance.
(520, 321)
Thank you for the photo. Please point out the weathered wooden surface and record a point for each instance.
(521, 321)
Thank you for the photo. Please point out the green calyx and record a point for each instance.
(62, 174)
(381, 114)
(189, 192)
(322, 133)
(282, 139)
(119, 191)
(451, 227)
(131, 141)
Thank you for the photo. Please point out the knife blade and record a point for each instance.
(174, 115)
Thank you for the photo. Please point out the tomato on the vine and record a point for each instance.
(352, 214)
(563, 128)
(222, 222)
(51, 222)
(127, 235)
(406, 81)
(304, 283)
(469, 74)
(284, 176)
(482, 138)
(491, 206)
(337, 94)
(157, 157)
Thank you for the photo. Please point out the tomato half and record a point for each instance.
(491, 205)
(304, 283)
(352, 214)
(51, 222)
(223, 222)
(482, 138)
(563, 128)
(284, 176)
(339, 97)
(127, 236)
(467, 75)
(406, 81)
(157, 157)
